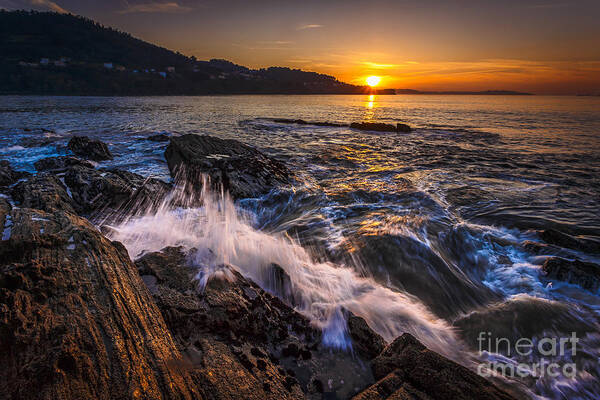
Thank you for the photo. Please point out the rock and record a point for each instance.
(406, 369)
(364, 340)
(60, 164)
(403, 128)
(161, 137)
(111, 192)
(253, 346)
(240, 169)
(557, 238)
(8, 175)
(76, 320)
(90, 149)
(43, 192)
(303, 122)
(380, 127)
(584, 274)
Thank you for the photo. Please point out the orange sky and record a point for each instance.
(540, 46)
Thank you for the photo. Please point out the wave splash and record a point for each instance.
(222, 233)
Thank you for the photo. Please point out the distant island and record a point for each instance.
(485, 92)
(62, 54)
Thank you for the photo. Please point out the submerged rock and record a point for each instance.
(406, 369)
(8, 175)
(161, 137)
(76, 320)
(380, 127)
(558, 238)
(90, 149)
(584, 274)
(240, 169)
(60, 164)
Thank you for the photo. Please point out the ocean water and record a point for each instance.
(421, 232)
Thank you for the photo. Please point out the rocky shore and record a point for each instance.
(79, 319)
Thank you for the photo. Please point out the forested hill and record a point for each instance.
(51, 53)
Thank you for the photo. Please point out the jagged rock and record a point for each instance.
(584, 274)
(90, 149)
(112, 192)
(76, 321)
(557, 238)
(406, 369)
(8, 175)
(364, 340)
(240, 169)
(161, 137)
(60, 164)
(44, 192)
(243, 342)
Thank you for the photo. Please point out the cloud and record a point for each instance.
(309, 26)
(41, 5)
(168, 8)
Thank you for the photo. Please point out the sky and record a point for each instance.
(539, 46)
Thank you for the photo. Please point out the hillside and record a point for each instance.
(51, 53)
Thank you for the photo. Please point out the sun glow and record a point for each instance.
(373, 80)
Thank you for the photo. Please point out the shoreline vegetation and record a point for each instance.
(84, 320)
(47, 53)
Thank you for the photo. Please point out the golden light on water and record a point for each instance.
(373, 80)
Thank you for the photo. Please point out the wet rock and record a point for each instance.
(240, 169)
(380, 127)
(303, 122)
(403, 127)
(557, 238)
(113, 192)
(76, 321)
(8, 175)
(89, 149)
(43, 191)
(60, 164)
(161, 137)
(406, 369)
(253, 345)
(584, 274)
(364, 340)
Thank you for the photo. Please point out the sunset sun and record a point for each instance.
(373, 80)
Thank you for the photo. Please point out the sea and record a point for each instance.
(428, 232)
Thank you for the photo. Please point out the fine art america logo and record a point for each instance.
(544, 351)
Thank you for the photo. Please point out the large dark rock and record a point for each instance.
(8, 175)
(240, 169)
(243, 342)
(76, 321)
(90, 149)
(584, 274)
(380, 127)
(113, 192)
(60, 164)
(43, 191)
(406, 369)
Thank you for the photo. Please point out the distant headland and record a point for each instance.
(45, 53)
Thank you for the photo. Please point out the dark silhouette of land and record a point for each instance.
(63, 54)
